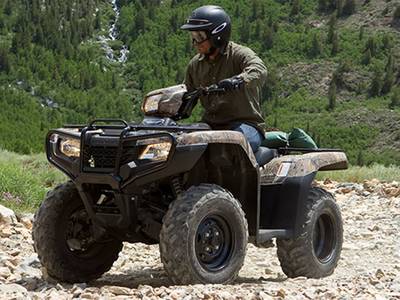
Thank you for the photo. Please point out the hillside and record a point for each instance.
(333, 66)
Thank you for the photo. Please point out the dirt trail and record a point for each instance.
(369, 267)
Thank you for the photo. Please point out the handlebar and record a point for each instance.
(190, 99)
(212, 89)
(204, 91)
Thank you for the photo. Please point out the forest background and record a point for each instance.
(334, 66)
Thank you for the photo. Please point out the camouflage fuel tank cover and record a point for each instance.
(236, 106)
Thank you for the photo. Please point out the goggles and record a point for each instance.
(198, 37)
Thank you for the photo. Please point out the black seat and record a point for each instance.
(264, 155)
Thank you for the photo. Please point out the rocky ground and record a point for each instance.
(369, 267)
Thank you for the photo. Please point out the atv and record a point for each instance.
(200, 194)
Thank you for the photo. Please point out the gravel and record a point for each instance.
(369, 267)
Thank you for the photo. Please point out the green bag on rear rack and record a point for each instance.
(298, 138)
(275, 139)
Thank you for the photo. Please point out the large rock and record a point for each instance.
(7, 216)
(13, 291)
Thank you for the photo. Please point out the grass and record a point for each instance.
(359, 174)
(25, 179)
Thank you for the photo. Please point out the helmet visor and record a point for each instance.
(198, 37)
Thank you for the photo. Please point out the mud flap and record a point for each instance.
(281, 209)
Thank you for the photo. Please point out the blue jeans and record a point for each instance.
(252, 135)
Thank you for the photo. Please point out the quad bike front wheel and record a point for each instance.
(204, 236)
(63, 238)
(315, 253)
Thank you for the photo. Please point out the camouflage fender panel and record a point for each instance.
(301, 165)
(170, 100)
(219, 137)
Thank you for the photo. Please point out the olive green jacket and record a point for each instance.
(242, 105)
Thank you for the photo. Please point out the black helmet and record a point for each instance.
(214, 21)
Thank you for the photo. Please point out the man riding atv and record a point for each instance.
(235, 68)
(200, 193)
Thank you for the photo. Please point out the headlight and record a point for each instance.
(150, 104)
(70, 147)
(156, 151)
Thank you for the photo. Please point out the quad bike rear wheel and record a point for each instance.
(315, 253)
(63, 238)
(204, 236)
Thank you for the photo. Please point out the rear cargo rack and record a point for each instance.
(286, 150)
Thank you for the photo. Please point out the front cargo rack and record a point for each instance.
(109, 159)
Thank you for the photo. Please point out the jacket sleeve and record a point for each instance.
(254, 71)
(189, 78)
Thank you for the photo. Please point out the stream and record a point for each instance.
(112, 36)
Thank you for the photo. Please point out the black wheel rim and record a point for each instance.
(324, 238)
(79, 237)
(214, 243)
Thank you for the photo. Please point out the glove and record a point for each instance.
(230, 84)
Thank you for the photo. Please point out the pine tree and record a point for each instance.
(237, 11)
(318, 140)
(5, 65)
(323, 5)
(332, 27)
(395, 99)
(389, 76)
(376, 84)
(316, 46)
(255, 10)
(295, 8)
(371, 46)
(387, 42)
(152, 12)
(390, 62)
(140, 22)
(244, 33)
(275, 26)
(339, 8)
(360, 158)
(361, 33)
(367, 57)
(97, 23)
(257, 30)
(349, 8)
(173, 22)
(270, 21)
(332, 95)
(268, 38)
(335, 44)
(188, 46)
(8, 8)
(388, 82)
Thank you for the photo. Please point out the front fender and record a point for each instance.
(219, 137)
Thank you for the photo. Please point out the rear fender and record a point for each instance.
(280, 168)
